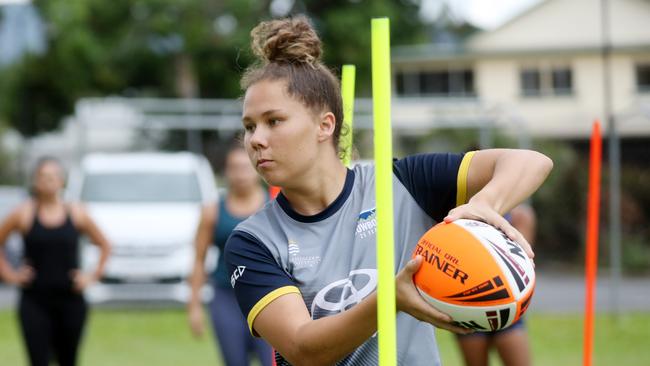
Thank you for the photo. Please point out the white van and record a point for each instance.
(148, 205)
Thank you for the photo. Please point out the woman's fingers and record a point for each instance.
(196, 321)
(512, 233)
(454, 328)
(486, 214)
(25, 275)
(457, 213)
(524, 245)
(80, 280)
(413, 265)
(410, 301)
(426, 312)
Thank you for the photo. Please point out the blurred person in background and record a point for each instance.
(511, 343)
(245, 195)
(52, 310)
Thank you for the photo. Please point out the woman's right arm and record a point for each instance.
(197, 278)
(286, 324)
(24, 274)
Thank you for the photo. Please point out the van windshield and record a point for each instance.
(141, 187)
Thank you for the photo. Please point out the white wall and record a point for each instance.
(498, 83)
(552, 24)
(566, 24)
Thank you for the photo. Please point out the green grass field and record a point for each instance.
(161, 337)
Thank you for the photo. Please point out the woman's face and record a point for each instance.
(281, 136)
(48, 179)
(240, 174)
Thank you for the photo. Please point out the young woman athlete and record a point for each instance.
(304, 267)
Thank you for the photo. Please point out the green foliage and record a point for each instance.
(635, 210)
(137, 48)
(636, 254)
(560, 205)
(33, 100)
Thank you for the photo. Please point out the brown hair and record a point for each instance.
(289, 49)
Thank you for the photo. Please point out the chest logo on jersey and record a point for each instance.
(300, 261)
(293, 247)
(341, 295)
(238, 272)
(367, 223)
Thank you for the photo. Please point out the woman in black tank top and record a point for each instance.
(52, 310)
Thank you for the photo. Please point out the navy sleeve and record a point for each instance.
(434, 181)
(255, 275)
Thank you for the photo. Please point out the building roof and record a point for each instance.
(552, 27)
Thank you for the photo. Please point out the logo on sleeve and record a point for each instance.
(238, 272)
(367, 223)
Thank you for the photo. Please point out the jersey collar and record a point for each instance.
(328, 211)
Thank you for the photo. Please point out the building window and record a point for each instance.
(443, 83)
(643, 77)
(546, 81)
(562, 83)
(530, 82)
(434, 83)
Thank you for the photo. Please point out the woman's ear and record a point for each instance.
(326, 126)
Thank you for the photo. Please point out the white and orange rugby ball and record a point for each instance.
(474, 273)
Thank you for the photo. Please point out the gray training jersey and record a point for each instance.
(330, 258)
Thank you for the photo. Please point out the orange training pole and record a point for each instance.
(593, 208)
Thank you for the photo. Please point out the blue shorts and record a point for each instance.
(231, 331)
(517, 325)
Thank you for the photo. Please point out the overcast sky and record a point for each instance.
(483, 13)
(486, 14)
(3, 2)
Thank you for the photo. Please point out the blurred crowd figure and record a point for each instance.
(51, 310)
(245, 195)
(511, 343)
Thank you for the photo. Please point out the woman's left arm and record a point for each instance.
(497, 181)
(87, 225)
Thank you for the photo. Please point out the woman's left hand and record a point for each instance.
(477, 210)
(81, 280)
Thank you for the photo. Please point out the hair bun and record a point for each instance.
(290, 40)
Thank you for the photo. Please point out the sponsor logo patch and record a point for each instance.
(294, 249)
(300, 261)
(367, 223)
(238, 272)
(341, 295)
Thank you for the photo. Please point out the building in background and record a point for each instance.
(544, 69)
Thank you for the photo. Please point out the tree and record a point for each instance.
(173, 48)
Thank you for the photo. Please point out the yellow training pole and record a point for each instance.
(347, 92)
(384, 191)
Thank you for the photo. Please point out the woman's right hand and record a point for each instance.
(23, 276)
(195, 318)
(411, 302)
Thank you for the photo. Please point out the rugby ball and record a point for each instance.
(475, 273)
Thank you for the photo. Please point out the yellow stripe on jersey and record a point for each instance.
(461, 179)
(267, 299)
